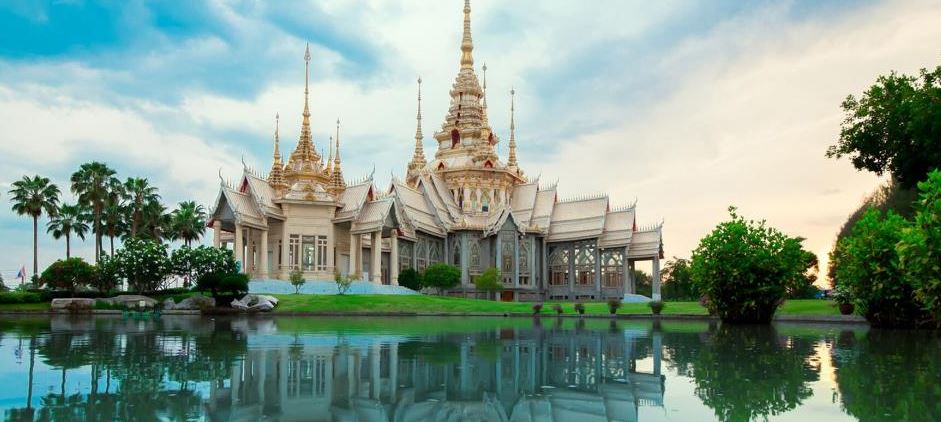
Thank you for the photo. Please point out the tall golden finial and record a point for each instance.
(467, 44)
(511, 162)
(277, 137)
(329, 164)
(306, 80)
(337, 183)
(485, 86)
(418, 134)
(337, 156)
(276, 176)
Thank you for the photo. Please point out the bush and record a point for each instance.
(537, 308)
(144, 264)
(557, 308)
(869, 270)
(656, 306)
(614, 305)
(580, 308)
(235, 284)
(746, 268)
(441, 276)
(108, 275)
(193, 263)
(68, 274)
(920, 247)
(343, 283)
(297, 279)
(410, 278)
(20, 297)
(490, 281)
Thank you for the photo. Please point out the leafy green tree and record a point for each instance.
(192, 263)
(108, 274)
(869, 269)
(68, 274)
(297, 279)
(920, 247)
(157, 224)
(95, 185)
(32, 196)
(114, 221)
(441, 276)
(490, 281)
(678, 281)
(69, 220)
(894, 127)
(188, 222)
(410, 278)
(138, 192)
(144, 264)
(747, 267)
(642, 283)
(343, 282)
(234, 284)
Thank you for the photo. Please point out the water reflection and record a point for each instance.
(415, 369)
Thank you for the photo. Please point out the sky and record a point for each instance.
(687, 106)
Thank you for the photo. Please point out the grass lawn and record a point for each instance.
(433, 304)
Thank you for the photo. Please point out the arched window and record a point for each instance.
(612, 268)
(474, 257)
(440, 166)
(559, 266)
(456, 253)
(455, 137)
(488, 164)
(485, 202)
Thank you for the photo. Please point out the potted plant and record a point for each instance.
(557, 308)
(580, 308)
(614, 305)
(656, 306)
(537, 308)
(841, 296)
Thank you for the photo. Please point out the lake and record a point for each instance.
(450, 369)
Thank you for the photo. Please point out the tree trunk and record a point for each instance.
(111, 239)
(35, 246)
(97, 232)
(68, 246)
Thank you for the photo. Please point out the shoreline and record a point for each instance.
(810, 319)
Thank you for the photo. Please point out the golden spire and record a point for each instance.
(337, 184)
(329, 165)
(467, 44)
(511, 162)
(484, 105)
(276, 176)
(419, 148)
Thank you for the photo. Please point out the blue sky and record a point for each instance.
(686, 106)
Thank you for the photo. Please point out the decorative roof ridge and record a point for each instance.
(549, 185)
(583, 198)
(650, 227)
(625, 207)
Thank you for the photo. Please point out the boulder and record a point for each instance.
(196, 302)
(71, 303)
(262, 303)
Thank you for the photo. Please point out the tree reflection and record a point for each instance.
(890, 375)
(745, 372)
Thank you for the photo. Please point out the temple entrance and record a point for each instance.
(506, 296)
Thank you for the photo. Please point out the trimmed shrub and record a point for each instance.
(614, 305)
(410, 278)
(441, 276)
(557, 308)
(580, 308)
(656, 306)
(20, 297)
(746, 268)
(537, 308)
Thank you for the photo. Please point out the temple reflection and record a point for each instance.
(504, 374)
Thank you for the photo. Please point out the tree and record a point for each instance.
(343, 282)
(32, 196)
(297, 279)
(894, 127)
(156, 224)
(69, 220)
(410, 278)
(193, 263)
(108, 274)
(188, 222)
(234, 284)
(144, 263)
(490, 281)
(68, 274)
(95, 184)
(678, 281)
(869, 269)
(138, 192)
(920, 247)
(746, 268)
(114, 221)
(441, 276)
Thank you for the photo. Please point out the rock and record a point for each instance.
(237, 304)
(72, 303)
(131, 301)
(169, 304)
(263, 303)
(196, 302)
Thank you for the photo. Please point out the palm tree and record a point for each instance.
(94, 183)
(32, 196)
(114, 222)
(71, 219)
(155, 222)
(138, 192)
(188, 222)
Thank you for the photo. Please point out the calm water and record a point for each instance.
(428, 369)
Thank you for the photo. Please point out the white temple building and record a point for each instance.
(464, 206)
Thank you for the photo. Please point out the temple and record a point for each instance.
(464, 206)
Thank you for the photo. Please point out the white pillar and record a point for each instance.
(355, 266)
(285, 244)
(239, 249)
(217, 233)
(394, 259)
(656, 278)
(263, 268)
(375, 264)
